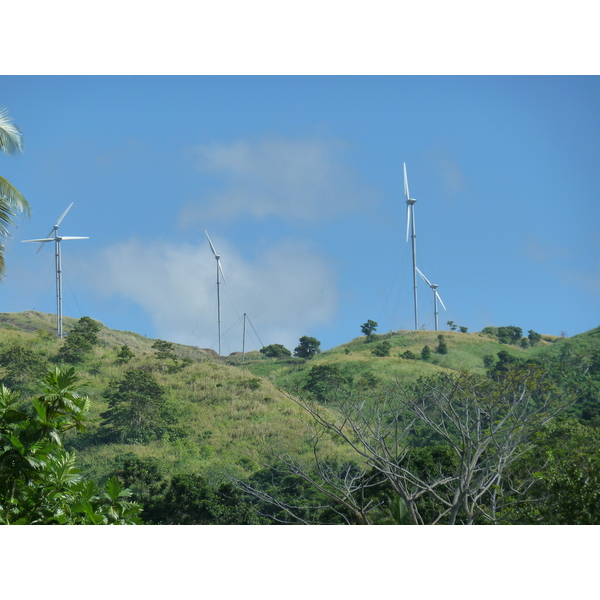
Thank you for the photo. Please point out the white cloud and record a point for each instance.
(285, 292)
(292, 179)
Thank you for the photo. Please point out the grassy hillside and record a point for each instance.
(229, 412)
(356, 359)
(226, 415)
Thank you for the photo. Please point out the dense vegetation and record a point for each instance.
(397, 428)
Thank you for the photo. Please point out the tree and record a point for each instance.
(534, 337)
(565, 460)
(509, 334)
(323, 379)
(451, 325)
(137, 409)
(12, 201)
(382, 349)
(308, 347)
(368, 329)
(125, 354)
(39, 480)
(441, 348)
(22, 368)
(164, 350)
(275, 351)
(463, 329)
(443, 445)
(80, 342)
(190, 500)
(426, 353)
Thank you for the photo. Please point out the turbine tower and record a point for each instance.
(436, 297)
(57, 239)
(410, 225)
(219, 274)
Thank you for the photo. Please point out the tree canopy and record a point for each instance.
(308, 347)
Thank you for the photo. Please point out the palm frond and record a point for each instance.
(12, 202)
(11, 138)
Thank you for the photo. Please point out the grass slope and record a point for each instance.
(229, 415)
(465, 351)
(230, 410)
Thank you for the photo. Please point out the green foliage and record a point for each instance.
(275, 351)
(324, 380)
(382, 349)
(441, 348)
(137, 410)
(509, 334)
(534, 337)
(566, 461)
(286, 498)
(190, 500)
(409, 355)
(488, 361)
(79, 344)
(39, 481)
(426, 353)
(308, 347)
(368, 329)
(164, 350)
(463, 329)
(125, 354)
(451, 325)
(145, 477)
(22, 368)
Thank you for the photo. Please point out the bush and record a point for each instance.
(382, 349)
(441, 348)
(275, 351)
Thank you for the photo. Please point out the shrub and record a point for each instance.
(382, 349)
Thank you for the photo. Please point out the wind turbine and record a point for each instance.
(219, 274)
(410, 225)
(57, 239)
(436, 297)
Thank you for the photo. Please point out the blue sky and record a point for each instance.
(299, 182)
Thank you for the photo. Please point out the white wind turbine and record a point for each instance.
(219, 274)
(57, 239)
(436, 297)
(410, 225)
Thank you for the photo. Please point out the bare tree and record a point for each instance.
(483, 426)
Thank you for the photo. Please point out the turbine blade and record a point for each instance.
(211, 246)
(407, 220)
(423, 276)
(438, 297)
(72, 237)
(221, 269)
(406, 192)
(43, 240)
(63, 216)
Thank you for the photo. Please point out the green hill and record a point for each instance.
(466, 351)
(223, 416)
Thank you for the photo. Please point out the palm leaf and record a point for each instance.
(11, 138)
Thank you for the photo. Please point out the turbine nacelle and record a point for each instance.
(433, 286)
